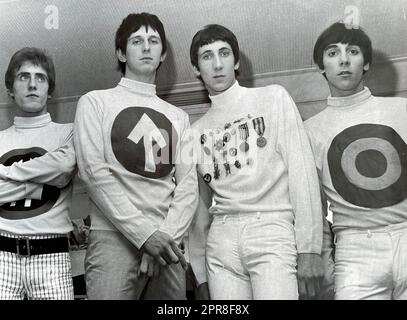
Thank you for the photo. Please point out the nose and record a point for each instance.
(217, 63)
(344, 59)
(32, 83)
(146, 46)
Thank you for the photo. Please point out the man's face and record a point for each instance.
(143, 55)
(217, 66)
(343, 67)
(30, 89)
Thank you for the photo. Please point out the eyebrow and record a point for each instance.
(221, 49)
(24, 73)
(205, 52)
(331, 46)
(29, 73)
(139, 36)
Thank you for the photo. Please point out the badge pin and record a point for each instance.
(233, 152)
(203, 138)
(226, 137)
(207, 178)
(207, 151)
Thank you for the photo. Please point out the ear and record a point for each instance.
(196, 71)
(121, 56)
(366, 67)
(10, 93)
(237, 65)
(163, 56)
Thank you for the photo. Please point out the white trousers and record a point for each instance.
(252, 256)
(371, 264)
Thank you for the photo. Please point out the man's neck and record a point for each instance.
(21, 113)
(336, 93)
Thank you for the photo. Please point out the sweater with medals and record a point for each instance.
(255, 157)
(360, 149)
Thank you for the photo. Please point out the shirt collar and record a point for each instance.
(227, 97)
(350, 100)
(138, 87)
(32, 122)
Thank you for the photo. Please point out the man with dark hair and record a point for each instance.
(260, 210)
(135, 157)
(37, 162)
(359, 144)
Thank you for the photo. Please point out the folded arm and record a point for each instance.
(55, 168)
(11, 191)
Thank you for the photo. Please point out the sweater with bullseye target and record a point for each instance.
(360, 148)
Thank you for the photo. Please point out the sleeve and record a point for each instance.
(198, 233)
(101, 186)
(327, 229)
(13, 191)
(55, 168)
(185, 196)
(295, 149)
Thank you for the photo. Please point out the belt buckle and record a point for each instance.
(23, 251)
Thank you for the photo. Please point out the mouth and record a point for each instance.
(344, 73)
(32, 96)
(146, 59)
(218, 76)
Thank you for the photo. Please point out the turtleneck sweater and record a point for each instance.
(255, 156)
(359, 144)
(37, 164)
(131, 148)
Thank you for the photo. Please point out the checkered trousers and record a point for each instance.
(37, 277)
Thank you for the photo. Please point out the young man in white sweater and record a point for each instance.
(359, 144)
(37, 162)
(259, 222)
(134, 156)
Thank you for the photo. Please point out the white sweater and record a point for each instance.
(131, 148)
(360, 149)
(35, 195)
(255, 157)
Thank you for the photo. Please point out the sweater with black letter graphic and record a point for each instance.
(37, 163)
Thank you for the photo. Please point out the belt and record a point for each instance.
(30, 247)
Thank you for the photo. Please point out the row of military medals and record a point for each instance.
(258, 124)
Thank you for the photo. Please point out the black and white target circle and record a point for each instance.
(368, 165)
(27, 208)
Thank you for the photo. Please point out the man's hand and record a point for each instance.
(203, 292)
(148, 266)
(310, 273)
(164, 249)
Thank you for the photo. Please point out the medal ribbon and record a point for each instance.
(259, 126)
(244, 131)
